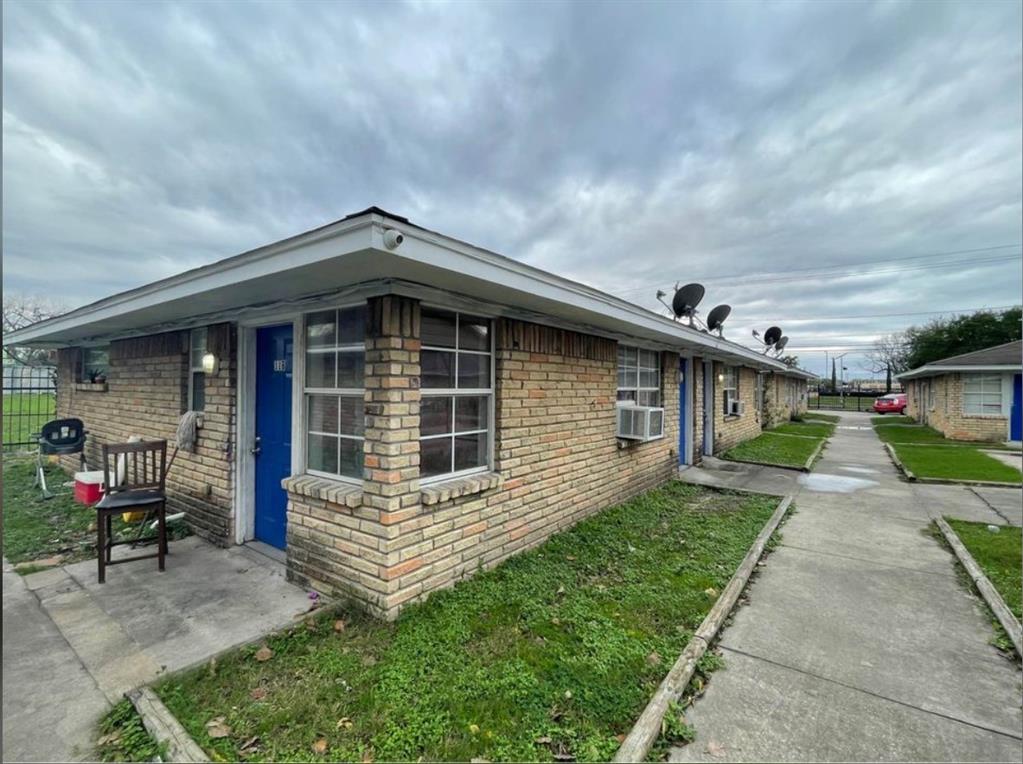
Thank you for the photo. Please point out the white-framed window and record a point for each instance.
(196, 375)
(457, 389)
(334, 391)
(982, 394)
(931, 396)
(729, 387)
(639, 376)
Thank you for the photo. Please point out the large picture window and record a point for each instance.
(335, 360)
(457, 391)
(639, 376)
(982, 394)
(196, 375)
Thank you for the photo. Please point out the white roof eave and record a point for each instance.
(353, 251)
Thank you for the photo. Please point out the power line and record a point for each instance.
(878, 315)
(822, 270)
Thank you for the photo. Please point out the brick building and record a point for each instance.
(974, 396)
(388, 409)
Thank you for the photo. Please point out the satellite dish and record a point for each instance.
(717, 317)
(686, 299)
(781, 343)
(772, 335)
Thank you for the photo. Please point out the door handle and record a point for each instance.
(255, 447)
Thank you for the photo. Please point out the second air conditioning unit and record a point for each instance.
(736, 408)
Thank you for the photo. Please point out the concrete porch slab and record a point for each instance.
(142, 623)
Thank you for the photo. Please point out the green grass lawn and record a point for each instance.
(922, 435)
(815, 416)
(551, 655)
(771, 447)
(954, 463)
(890, 419)
(35, 528)
(807, 429)
(24, 414)
(1000, 556)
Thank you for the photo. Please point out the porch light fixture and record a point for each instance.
(721, 377)
(209, 363)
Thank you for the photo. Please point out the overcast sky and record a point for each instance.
(798, 158)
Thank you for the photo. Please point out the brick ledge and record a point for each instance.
(91, 387)
(463, 486)
(334, 491)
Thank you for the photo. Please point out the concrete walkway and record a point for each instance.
(859, 643)
(73, 646)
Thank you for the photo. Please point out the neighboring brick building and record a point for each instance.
(395, 409)
(974, 396)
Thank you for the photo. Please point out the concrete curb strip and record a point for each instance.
(979, 483)
(898, 463)
(987, 590)
(816, 452)
(165, 729)
(647, 728)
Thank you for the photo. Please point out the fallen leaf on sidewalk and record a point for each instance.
(216, 728)
(112, 737)
(715, 749)
(263, 654)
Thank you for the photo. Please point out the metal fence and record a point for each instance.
(29, 401)
(843, 400)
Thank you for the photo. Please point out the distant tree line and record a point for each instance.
(941, 338)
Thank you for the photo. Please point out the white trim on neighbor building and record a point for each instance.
(936, 371)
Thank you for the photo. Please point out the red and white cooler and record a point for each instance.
(88, 486)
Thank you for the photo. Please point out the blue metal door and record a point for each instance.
(274, 357)
(681, 410)
(1016, 417)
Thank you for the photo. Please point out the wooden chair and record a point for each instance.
(134, 476)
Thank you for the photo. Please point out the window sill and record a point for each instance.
(334, 491)
(445, 490)
(91, 387)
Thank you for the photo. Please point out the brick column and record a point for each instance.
(391, 447)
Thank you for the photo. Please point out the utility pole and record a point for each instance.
(841, 386)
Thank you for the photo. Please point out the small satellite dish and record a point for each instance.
(780, 344)
(686, 299)
(717, 317)
(772, 335)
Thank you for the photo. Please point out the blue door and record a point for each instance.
(681, 410)
(274, 356)
(1016, 417)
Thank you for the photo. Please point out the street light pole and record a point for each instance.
(841, 384)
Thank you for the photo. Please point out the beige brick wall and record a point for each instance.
(556, 461)
(146, 395)
(947, 414)
(732, 430)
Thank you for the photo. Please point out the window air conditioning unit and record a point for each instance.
(640, 423)
(736, 408)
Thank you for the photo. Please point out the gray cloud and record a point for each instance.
(625, 145)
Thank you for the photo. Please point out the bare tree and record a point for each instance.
(20, 310)
(888, 356)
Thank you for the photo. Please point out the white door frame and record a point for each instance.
(244, 461)
(690, 383)
(708, 407)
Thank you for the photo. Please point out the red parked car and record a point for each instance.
(893, 403)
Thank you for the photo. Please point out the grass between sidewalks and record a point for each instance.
(999, 555)
(777, 446)
(954, 464)
(921, 435)
(887, 419)
(553, 654)
(812, 416)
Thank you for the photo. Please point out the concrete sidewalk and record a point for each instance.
(860, 643)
